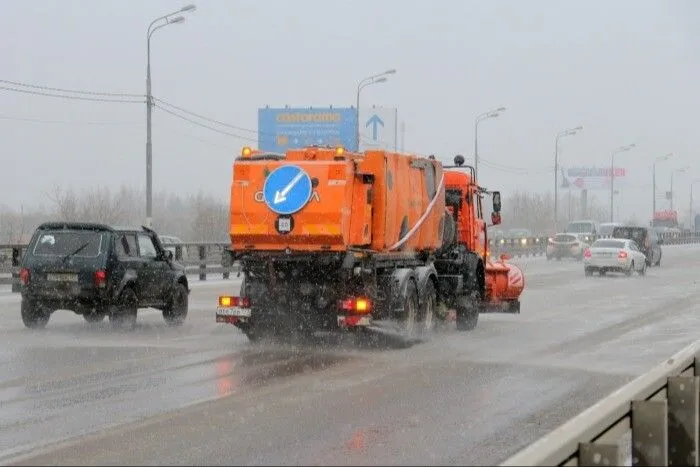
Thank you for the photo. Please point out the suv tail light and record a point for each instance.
(100, 278)
(587, 253)
(622, 254)
(24, 276)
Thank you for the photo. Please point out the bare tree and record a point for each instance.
(211, 219)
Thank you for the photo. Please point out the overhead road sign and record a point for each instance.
(282, 129)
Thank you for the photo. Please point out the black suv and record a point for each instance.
(647, 240)
(96, 270)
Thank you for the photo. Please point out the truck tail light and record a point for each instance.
(228, 301)
(356, 305)
(100, 279)
(24, 276)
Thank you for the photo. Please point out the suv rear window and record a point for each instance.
(62, 242)
(564, 238)
(637, 234)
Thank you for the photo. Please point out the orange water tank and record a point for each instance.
(316, 199)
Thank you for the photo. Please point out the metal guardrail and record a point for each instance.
(201, 258)
(209, 255)
(518, 247)
(660, 410)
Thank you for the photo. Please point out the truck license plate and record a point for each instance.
(238, 312)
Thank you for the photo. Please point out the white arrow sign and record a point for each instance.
(281, 196)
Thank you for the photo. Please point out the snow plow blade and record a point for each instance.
(505, 283)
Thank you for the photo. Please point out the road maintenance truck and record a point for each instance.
(329, 239)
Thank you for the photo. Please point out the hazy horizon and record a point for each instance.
(624, 70)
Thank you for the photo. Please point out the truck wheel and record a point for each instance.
(428, 308)
(467, 313)
(123, 315)
(408, 320)
(33, 315)
(176, 312)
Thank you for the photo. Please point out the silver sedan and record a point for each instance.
(614, 255)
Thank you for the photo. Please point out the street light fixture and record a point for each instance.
(680, 170)
(490, 114)
(612, 175)
(691, 219)
(374, 79)
(653, 180)
(569, 132)
(149, 103)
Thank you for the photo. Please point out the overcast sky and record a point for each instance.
(627, 70)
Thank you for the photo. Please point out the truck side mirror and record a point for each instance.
(497, 201)
(495, 218)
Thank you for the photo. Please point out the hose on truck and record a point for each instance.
(422, 219)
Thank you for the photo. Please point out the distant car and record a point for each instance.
(566, 245)
(614, 255)
(96, 270)
(171, 243)
(521, 236)
(589, 228)
(647, 240)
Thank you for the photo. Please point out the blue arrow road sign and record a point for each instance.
(374, 120)
(287, 189)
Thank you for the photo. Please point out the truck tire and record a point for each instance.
(33, 315)
(409, 327)
(427, 309)
(467, 312)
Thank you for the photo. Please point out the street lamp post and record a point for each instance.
(569, 132)
(612, 176)
(691, 219)
(681, 170)
(653, 181)
(479, 118)
(374, 79)
(149, 103)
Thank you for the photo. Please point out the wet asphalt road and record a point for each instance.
(202, 395)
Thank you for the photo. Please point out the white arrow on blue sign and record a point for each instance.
(287, 189)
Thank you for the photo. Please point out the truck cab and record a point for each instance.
(464, 201)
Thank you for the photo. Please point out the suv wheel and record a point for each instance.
(94, 317)
(176, 312)
(33, 315)
(123, 315)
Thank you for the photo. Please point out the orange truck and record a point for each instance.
(331, 240)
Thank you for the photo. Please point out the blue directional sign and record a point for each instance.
(373, 121)
(287, 189)
(292, 128)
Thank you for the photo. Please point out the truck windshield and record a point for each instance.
(62, 243)
(580, 227)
